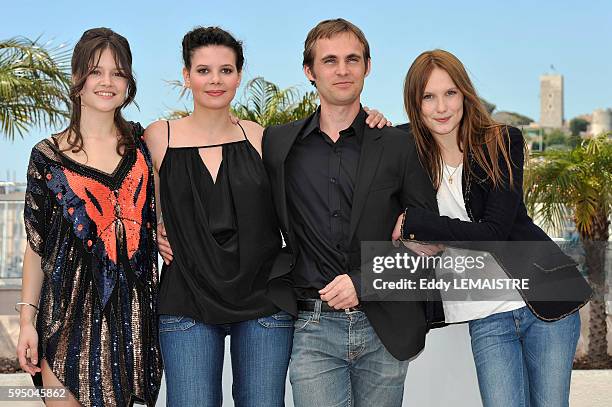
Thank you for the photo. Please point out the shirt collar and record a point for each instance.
(357, 127)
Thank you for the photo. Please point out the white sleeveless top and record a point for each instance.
(451, 204)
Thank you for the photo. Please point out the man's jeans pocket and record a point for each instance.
(281, 319)
(171, 323)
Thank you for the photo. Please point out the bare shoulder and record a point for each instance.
(155, 130)
(156, 138)
(254, 133)
(252, 129)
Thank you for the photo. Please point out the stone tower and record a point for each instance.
(551, 100)
(601, 122)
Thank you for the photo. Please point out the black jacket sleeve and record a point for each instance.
(417, 189)
(501, 207)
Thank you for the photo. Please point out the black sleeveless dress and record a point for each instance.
(224, 235)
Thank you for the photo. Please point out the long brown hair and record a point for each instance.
(85, 58)
(479, 135)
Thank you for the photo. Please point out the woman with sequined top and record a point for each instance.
(90, 266)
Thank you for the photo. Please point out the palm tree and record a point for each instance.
(263, 102)
(267, 104)
(184, 92)
(34, 84)
(578, 183)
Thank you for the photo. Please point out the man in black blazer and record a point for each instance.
(336, 183)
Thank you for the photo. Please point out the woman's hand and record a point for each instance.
(423, 249)
(28, 340)
(418, 248)
(397, 230)
(163, 245)
(376, 118)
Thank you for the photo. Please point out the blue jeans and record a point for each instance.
(193, 360)
(338, 360)
(523, 361)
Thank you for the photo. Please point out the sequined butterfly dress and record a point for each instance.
(95, 233)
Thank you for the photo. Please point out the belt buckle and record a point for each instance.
(352, 309)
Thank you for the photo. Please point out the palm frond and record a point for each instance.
(34, 84)
(576, 183)
(173, 114)
(262, 102)
(267, 104)
(183, 90)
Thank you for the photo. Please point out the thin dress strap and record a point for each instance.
(243, 132)
(168, 123)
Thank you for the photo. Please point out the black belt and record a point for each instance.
(310, 306)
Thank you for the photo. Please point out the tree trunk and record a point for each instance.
(595, 246)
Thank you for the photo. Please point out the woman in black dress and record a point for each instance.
(222, 227)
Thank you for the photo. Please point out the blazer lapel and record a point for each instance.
(285, 144)
(371, 150)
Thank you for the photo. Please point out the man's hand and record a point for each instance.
(163, 245)
(376, 118)
(340, 293)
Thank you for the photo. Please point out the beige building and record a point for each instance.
(601, 122)
(551, 101)
(12, 236)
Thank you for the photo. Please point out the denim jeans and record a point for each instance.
(523, 361)
(193, 359)
(338, 360)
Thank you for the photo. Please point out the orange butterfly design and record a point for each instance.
(117, 214)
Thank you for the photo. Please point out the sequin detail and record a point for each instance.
(112, 211)
(98, 299)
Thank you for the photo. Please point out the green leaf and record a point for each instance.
(34, 85)
(571, 184)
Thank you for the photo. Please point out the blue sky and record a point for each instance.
(504, 45)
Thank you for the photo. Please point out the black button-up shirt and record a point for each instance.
(320, 178)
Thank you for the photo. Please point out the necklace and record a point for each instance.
(449, 173)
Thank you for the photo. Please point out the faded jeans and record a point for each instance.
(338, 360)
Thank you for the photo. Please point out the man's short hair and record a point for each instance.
(329, 29)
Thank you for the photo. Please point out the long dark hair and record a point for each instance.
(91, 45)
(479, 135)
